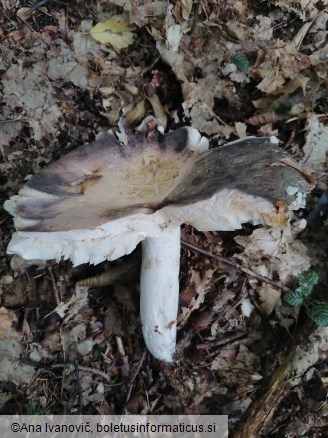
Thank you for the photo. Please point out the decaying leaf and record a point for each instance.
(263, 119)
(22, 88)
(270, 297)
(310, 178)
(268, 251)
(115, 31)
(7, 319)
(158, 109)
(136, 114)
(241, 129)
(141, 12)
(202, 285)
(316, 146)
(11, 366)
(270, 82)
(245, 363)
(182, 9)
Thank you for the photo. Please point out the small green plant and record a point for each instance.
(315, 309)
(240, 61)
(306, 283)
(35, 408)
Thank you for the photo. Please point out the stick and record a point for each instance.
(235, 265)
(79, 389)
(134, 376)
(88, 369)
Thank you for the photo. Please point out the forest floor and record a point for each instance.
(229, 69)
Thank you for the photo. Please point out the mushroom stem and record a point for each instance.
(159, 290)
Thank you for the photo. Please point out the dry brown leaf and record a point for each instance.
(299, 7)
(53, 342)
(73, 331)
(269, 250)
(236, 30)
(241, 129)
(158, 109)
(182, 9)
(23, 88)
(23, 13)
(141, 12)
(316, 145)
(4, 139)
(310, 178)
(270, 297)
(263, 119)
(202, 286)
(7, 319)
(264, 29)
(281, 206)
(11, 366)
(300, 81)
(136, 114)
(237, 367)
(271, 82)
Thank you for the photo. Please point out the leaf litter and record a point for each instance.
(229, 69)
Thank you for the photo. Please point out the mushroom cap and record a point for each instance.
(100, 200)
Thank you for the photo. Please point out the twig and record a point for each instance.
(38, 5)
(82, 368)
(235, 265)
(41, 3)
(13, 120)
(229, 339)
(134, 375)
(58, 300)
(79, 389)
(147, 69)
(4, 218)
(120, 346)
(24, 330)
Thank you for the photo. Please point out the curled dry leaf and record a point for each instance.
(158, 109)
(263, 119)
(136, 114)
(310, 178)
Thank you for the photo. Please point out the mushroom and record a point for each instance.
(100, 200)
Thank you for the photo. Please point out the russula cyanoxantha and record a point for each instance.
(100, 200)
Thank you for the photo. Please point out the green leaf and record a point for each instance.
(313, 279)
(318, 312)
(294, 298)
(301, 280)
(240, 61)
(306, 282)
